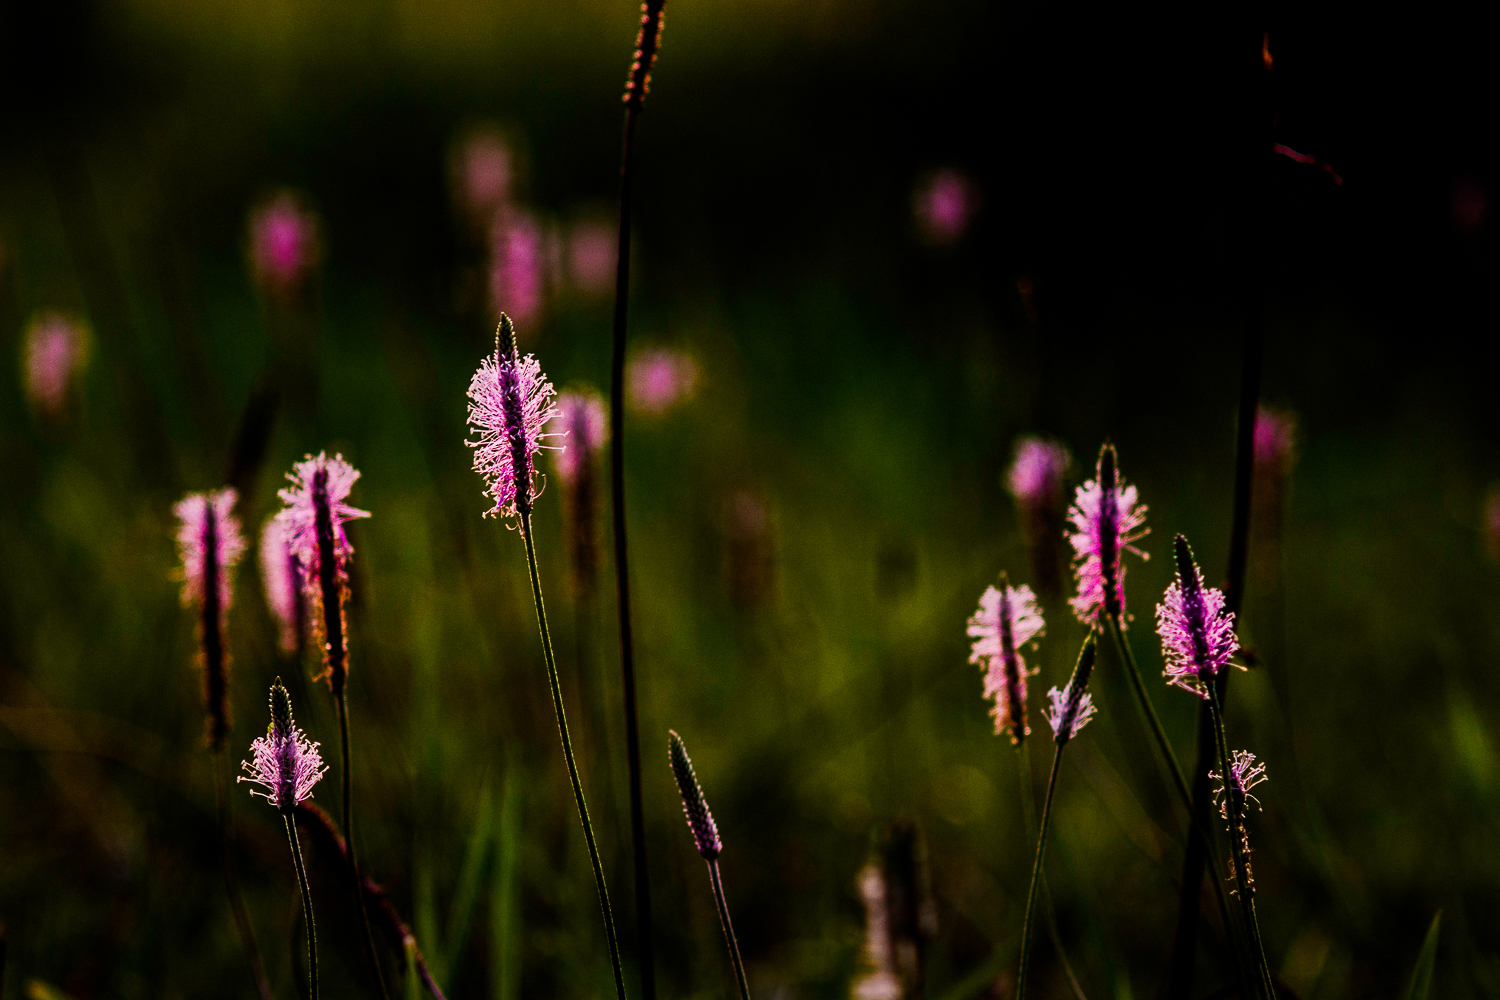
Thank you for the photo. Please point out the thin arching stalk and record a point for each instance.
(1028, 812)
(1236, 844)
(307, 911)
(729, 938)
(231, 884)
(1036, 874)
(567, 745)
(348, 807)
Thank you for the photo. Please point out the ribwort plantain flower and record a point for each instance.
(647, 41)
(583, 417)
(55, 354)
(1035, 480)
(286, 763)
(284, 244)
(517, 267)
(661, 378)
(1008, 618)
(1197, 634)
(581, 413)
(1106, 521)
(700, 820)
(1244, 774)
(1072, 707)
(210, 544)
(282, 576)
(510, 405)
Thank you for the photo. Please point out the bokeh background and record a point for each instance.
(892, 238)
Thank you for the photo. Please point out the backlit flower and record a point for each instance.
(54, 356)
(660, 379)
(1072, 707)
(284, 244)
(1197, 634)
(281, 574)
(510, 404)
(1244, 774)
(1106, 521)
(319, 482)
(285, 763)
(1007, 619)
(208, 535)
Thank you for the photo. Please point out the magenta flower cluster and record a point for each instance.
(1244, 774)
(1070, 711)
(1008, 618)
(206, 520)
(284, 244)
(284, 762)
(1106, 521)
(281, 574)
(1197, 634)
(1036, 474)
(510, 405)
(299, 517)
(661, 378)
(584, 420)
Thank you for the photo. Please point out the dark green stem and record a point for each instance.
(729, 939)
(567, 745)
(1036, 874)
(307, 911)
(342, 700)
(1028, 812)
(1236, 805)
(1196, 824)
(236, 901)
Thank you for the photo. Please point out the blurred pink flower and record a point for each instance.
(517, 267)
(316, 482)
(281, 575)
(1275, 436)
(1008, 618)
(483, 174)
(591, 257)
(1036, 475)
(54, 355)
(284, 244)
(207, 520)
(661, 378)
(583, 417)
(945, 202)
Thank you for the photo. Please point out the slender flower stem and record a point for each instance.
(1036, 874)
(1236, 844)
(236, 901)
(307, 911)
(1196, 823)
(348, 804)
(567, 745)
(1028, 812)
(729, 938)
(622, 564)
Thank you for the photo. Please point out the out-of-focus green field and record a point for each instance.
(867, 389)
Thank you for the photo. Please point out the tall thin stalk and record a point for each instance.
(635, 96)
(1246, 888)
(1036, 875)
(231, 884)
(567, 745)
(729, 938)
(1028, 812)
(307, 911)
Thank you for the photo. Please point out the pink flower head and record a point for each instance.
(1275, 436)
(281, 573)
(208, 536)
(517, 267)
(1072, 706)
(944, 203)
(54, 355)
(510, 404)
(284, 244)
(586, 424)
(317, 482)
(483, 173)
(591, 257)
(1007, 619)
(286, 763)
(1244, 774)
(1197, 634)
(661, 378)
(1036, 474)
(1106, 521)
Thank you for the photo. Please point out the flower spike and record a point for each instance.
(1244, 774)
(286, 763)
(1007, 619)
(210, 544)
(700, 820)
(1106, 521)
(1072, 707)
(510, 404)
(1197, 634)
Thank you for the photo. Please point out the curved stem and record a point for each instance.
(1236, 845)
(307, 911)
(1197, 826)
(622, 563)
(729, 938)
(567, 745)
(1036, 875)
(359, 894)
(1028, 812)
(236, 901)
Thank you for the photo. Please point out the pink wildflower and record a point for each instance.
(1275, 436)
(1072, 707)
(284, 244)
(517, 265)
(286, 763)
(660, 379)
(315, 480)
(591, 257)
(281, 574)
(1244, 774)
(1036, 474)
(1007, 619)
(1197, 634)
(1106, 521)
(483, 174)
(510, 404)
(944, 204)
(208, 535)
(586, 423)
(54, 355)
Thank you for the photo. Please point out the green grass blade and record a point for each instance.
(505, 917)
(1421, 976)
(466, 893)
